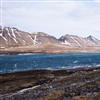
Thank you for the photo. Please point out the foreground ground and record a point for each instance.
(70, 84)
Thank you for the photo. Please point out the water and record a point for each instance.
(22, 62)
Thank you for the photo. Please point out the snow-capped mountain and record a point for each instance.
(77, 41)
(13, 37)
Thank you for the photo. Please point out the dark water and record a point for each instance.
(21, 62)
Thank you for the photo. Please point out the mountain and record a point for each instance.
(94, 40)
(43, 38)
(76, 41)
(13, 40)
(13, 37)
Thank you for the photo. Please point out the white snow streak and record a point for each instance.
(94, 39)
(2, 47)
(72, 38)
(97, 41)
(0, 34)
(3, 37)
(30, 37)
(91, 43)
(18, 33)
(2, 27)
(35, 40)
(43, 34)
(8, 32)
(35, 37)
(13, 33)
(15, 40)
(24, 41)
(14, 37)
(65, 42)
(76, 41)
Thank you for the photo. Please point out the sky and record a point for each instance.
(54, 17)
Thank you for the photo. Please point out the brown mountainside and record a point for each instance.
(77, 41)
(14, 40)
(12, 37)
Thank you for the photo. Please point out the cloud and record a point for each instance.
(55, 18)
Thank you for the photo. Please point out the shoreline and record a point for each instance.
(47, 48)
(46, 69)
(25, 53)
(54, 84)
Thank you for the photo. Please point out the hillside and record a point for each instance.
(77, 41)
(13, 40)
(13, 37)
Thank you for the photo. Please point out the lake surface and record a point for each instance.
(22, 62)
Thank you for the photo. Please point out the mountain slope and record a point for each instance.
(94, 40)
(43, 38)
(77, 41)
(13, 40)
(12, 37)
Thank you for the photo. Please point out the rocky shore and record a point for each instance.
(69, 84)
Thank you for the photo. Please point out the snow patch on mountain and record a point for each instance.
(3, 37)
(15, 40)
(8, 32)
(65, 42)
(35, 40)
(13, 33)
(18, 34)
(75, 39)
(30, 37)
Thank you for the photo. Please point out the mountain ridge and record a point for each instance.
(43, 42)
(75, 40)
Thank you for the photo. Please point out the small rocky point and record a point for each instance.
(68, 84)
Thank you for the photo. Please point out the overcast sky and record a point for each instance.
(55, 18)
